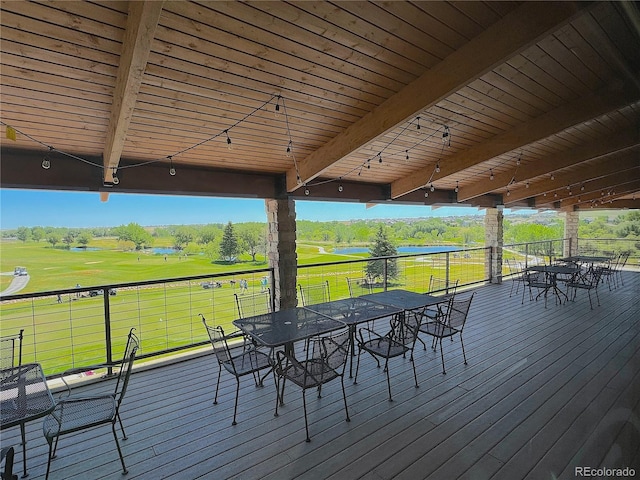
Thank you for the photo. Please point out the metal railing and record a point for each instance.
(74, 328)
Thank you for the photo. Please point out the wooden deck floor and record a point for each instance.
(544, 391)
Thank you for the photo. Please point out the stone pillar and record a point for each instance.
(571, 223)
(493, 228)
(281, 250)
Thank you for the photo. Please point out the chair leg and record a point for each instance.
(124, 434)
(235, 407)
(24, 450)
(306, 422)
(344, 397)
(415, 376)
(50, 457)
(464, 355)
(115, 437)
(215, 399)
(386, 367)
(442, 357)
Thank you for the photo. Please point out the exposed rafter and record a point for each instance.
(141, 26)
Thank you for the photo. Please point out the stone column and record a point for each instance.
(493, 229)
(571, 223)
(281, 250)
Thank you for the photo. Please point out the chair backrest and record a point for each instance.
(254, 304)
(133, 343)
(314, 294)
(359, 286)
(405, 328)
(333, 350)
(458, 312)
(440, 285)
(218, 342)
(11, 351)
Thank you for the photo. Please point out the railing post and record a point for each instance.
(384, 274)
(446, 270)
(107, 329)
(490, 263)
(526, 256)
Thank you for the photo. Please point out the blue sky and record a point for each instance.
(29, 208)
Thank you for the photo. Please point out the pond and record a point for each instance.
(423, 249)
(84, 249)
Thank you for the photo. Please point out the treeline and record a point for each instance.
(250, 237)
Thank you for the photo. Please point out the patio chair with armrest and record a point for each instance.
(251, 305)
(451, 322)
(537, 280)
(325, 360)
(398, 341)
(240, 361)
(75, 413)
(443, 289)
(517, 276)
(588, 281)
(10, 353)
(7, 455)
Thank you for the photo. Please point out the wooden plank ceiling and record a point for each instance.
(480, 103)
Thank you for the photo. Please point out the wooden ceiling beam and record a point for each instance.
(592, 175)
(543, 126)
(142, 21)
(507, 37)
(600, 147)
(618, 204)
(22, 169)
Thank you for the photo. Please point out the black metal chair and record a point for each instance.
(325, 360)
(72, 414)
(10, 353)
(253, 304)
(518, 276)
(7, 455)
(588, 281)
(398, 341)
(240, 361)
(358, 287)
(450, 323)
(441, 288)
(313, 294)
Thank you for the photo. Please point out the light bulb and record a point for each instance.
(508, 193)
(426, 194)
(116, 180)
(46, 164)
(306, 192)
(229, 146)
(456, 189)
(380, 158)
(437, 168)
(340, 188)
(172, 172)
(553, 177)
(433, 189)
(491, 177)
(527, 185)
(289, 149)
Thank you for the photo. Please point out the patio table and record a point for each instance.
(552, 272)
(24, 396)
(285, 327)
(353, 311)
(404, 299)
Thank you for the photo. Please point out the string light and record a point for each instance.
(306, 191)
(491, 177)
(116, 180)
(289, 149)
(456, 189)
(380, 157)
(432, 188)
(446, 138)
(553, 177)
(277, 109)
(229, 146)
(172, 171)
(418, 124)
(527, 184)
(407, 152)
(582, 188)
(438, 167)
(46, 163)
(340, 188)
(426, 194)
(508, 193)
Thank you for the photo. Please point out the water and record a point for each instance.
(164, 250)
(423, 249)
(84, 249)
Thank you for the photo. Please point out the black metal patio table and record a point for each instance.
(353, 311)
(404, 299)
(285, 327)
(552, 272)
(24, 396)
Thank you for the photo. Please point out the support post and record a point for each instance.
(571, 223)
(493, 238)
(281, 250)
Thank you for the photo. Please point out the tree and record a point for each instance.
(134, 233)
(23, 234)
(250, 239)
(70, 237)
(84, 238)
(229, 244)
(382, 247)
(183, 236)
(37, 233)
(53, 238)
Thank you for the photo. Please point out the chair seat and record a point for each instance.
(79, 413)
(247, 362)
(438, 329)
(384, 347)
(317, 373)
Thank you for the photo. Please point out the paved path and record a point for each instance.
(17, 284)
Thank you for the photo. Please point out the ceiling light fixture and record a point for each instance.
(46, 163)
(116, 180)
(172, 171)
